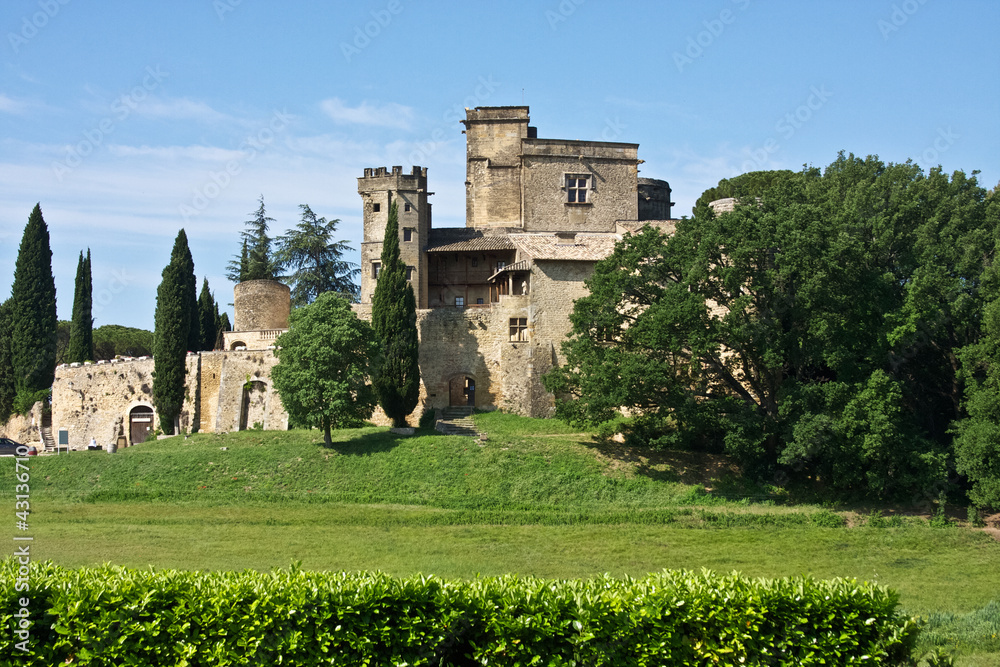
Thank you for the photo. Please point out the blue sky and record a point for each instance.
(130, 120)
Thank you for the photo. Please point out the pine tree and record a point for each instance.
(394, 319)
(33, 314)
(256, 262)
(7, 389)
(173, 325)
(315, 260)
(81, 333)
(207, 315)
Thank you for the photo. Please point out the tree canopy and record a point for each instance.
(394, 319)
(314, 261)
(173, 323)
(255, 261)
(324, 366)
(81, 335)
(33, 315)
(813, 332)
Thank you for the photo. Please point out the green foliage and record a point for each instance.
(25, 400)
(255, 262)
(113, 340)
(33, 310)
(222, 325)
(7, 388)
(116, 616)
(394, 319)
(208, 313)
(810, 333)
(81, 337)
(316, 260)
(746, 187)
(323, 374)
(173, 325)
(427, 419)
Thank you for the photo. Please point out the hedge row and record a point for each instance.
(116, 616)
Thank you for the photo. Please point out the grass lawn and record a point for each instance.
(537, 498)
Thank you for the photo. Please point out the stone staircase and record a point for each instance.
(45, 433)
(457, 420)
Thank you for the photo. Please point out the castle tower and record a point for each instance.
(493, 159)
(378, 189)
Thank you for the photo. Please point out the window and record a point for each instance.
(518, 329)
(459, 301)
(409, 272)
(576, 189)
(501, 264)
(406, 207)
(479, 301)
(376, 269)
(376, 207)
(475, 261)
(407, 233)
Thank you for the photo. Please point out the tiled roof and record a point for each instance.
(583, 247)
(523, 265)
(469, 239)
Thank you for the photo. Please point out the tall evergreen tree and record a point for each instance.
(173, 324)
(81, 333)
(7, 389)
(207, 316)
(222, 325)
(256, 261)
(33, 316)
(394, 319)
(315, 260)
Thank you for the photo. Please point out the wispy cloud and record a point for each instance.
(181, 109)
(387, 115)
(171, 153)
(8, 105)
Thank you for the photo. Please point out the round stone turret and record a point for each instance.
(261, 304)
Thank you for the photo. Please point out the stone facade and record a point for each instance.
(495, 296)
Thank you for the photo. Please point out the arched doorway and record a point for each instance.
(462, 391)
(237, 344)
(254, 409)
(140, 423)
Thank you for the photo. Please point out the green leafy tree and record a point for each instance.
(316, 260)
(256, 261)
(207, 318)
(113, 340)
(171, 335)
(7, 388)
(81, 335)
(324, 368)
(812, 331)
(33, 315)
(394, 319)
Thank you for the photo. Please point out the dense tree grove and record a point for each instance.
(81, 334)
(173, 323)
(314, 260)
(113, 340)
(324, 370)
(33, 315)
(826, 329)
(394, 319)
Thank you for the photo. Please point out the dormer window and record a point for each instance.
(577, 186)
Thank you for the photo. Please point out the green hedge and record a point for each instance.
(116, 616)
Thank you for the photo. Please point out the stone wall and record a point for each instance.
(24, 428)
(261, 304)
(226, 391)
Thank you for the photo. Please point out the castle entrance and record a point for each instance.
(462, 391)
(140, 423)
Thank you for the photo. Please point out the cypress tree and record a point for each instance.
(207, 313)
(81, 332)
(7, 389)
(33, 314)
(222, 325)
(394, 319)
(170, 338)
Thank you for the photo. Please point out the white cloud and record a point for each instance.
(8, 105)
(170, 153)
(180, 109)
(388, 115)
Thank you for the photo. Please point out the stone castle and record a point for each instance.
(493, 297)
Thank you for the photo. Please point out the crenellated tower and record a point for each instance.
(378, 189)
